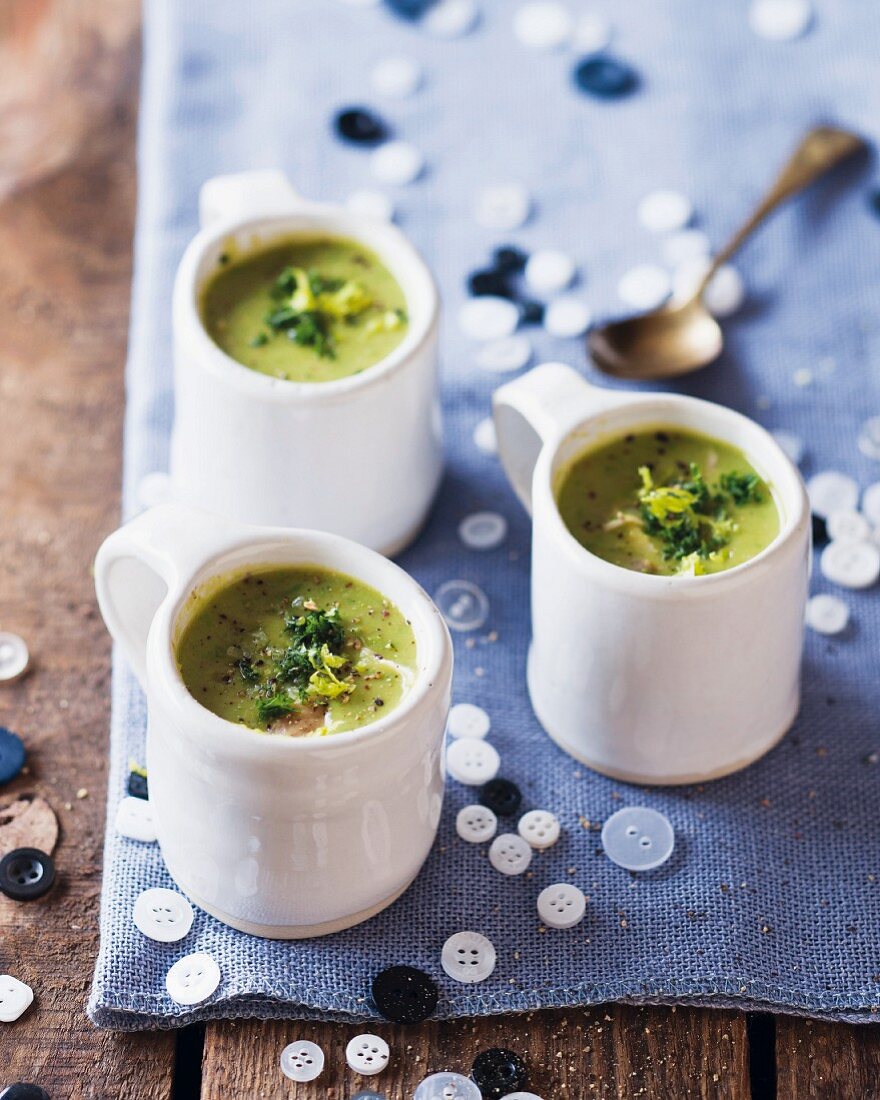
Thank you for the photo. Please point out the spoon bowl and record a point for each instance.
(674, 340)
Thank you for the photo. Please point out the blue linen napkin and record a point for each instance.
(771, 900)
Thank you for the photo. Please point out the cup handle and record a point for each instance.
(537, 408)
(141, 563)
(246, 194)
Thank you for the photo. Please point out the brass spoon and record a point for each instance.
(683, 336)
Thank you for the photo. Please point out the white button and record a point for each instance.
(476, 824)
(847, 525)
(637, 838)
(192, 979)
(371, 204)
(397, 162)
(685, 245)
(871, 503)
(539, 828)
(543, 24)
(780, 20)
(488, 318)
(396, 77)
(472, 761)
(562, 905)
(15, 998)
(302, 1061)
(447, 1086)
(869, 438)
(451, 18)
(502, 356)
(567, 317)
(723, 296)
(134, 819)
(521, 1096)
(153, 489)
(510, 854)
(485, 436)
(367, 1054)
(462, 604)
(468, 957)
(14, 657)
(503, 206)
(163, 915)
(644, 286)
(483, 530)
(665, 211)
(549, 271)
(831, 491)
(592, 33)
(468, 720)
(851, 564)
(827, 614)
(792, 444)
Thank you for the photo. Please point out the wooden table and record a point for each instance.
(67, 194)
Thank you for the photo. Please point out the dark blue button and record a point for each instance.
(501, 796)
(493, 283)
(22, 1090)
(820, 530)
(605, 77)
(360, 126)
(874, 202)
(12, 754)
(532, 313)
(498, 1071)
(409, 9)
(509, 259)
(26, 874)
(137, 785)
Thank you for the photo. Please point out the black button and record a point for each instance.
(26, 874)
(360, 126)
(498, 1072)
(510, 260)
(404, 994)
(409, 9)
(492, 282)
(532, 313)
(605, 77)
(502, 796)
(137, 785)
(21, 1090)
(820, 530)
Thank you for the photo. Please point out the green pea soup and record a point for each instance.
(295, 651)
(667, 501)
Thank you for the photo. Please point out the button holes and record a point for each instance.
(645, 842)
(631, 830)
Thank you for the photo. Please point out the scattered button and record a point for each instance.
(503, 356)
(644, 286)
(638, 838)
(687, 244)
(604, 77)
(539, 828)
(162, 915)
(472, 761)
(489, 283)
(15, 999)
(792, 444)
(851, 564)
(831, 491)
(14, 658)
(406, 9)
(302, 1061)
(154, 488)
(549, 270)
(360, 126)
(451, 18)
(468, 720)
(502, 796)
(665, 211)
(485, 437)
(370, 204)
(24, 1090)
(483, 530)
(562, 905)
(509, 259)
(847, 525)
(397, 162)
(871, 503)
(497, 1071)
(26, 874)
(404, 994)
(567, 317)
(468, 957)
(476, 824)
(543, 24)
(192, 979)
(396, 77)
(462, 604)
(488, 318)
(780, 20)
(869, 438)
(447, 1086)
(820, 530)
(509, 854)
(521, 1096)
(532, 313)
(134, 819)
(827, 614)
(368, 1094)
(503, 206)
(367, 1054)
(137, 785)
(592, 33)
(725, 293)
(12, 755)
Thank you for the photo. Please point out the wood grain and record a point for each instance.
(819, 1061)
(66, 207)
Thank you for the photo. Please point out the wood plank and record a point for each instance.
(822, 1061)
(573, 1054)
(66, 209)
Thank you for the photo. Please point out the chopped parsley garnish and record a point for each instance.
(276, 706)
(744, 488)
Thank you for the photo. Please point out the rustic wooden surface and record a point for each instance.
(67, 112)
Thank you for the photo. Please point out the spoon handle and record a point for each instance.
(820, 150)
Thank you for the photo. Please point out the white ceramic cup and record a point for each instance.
(360, 456)
(653, 679)
(276, 836)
